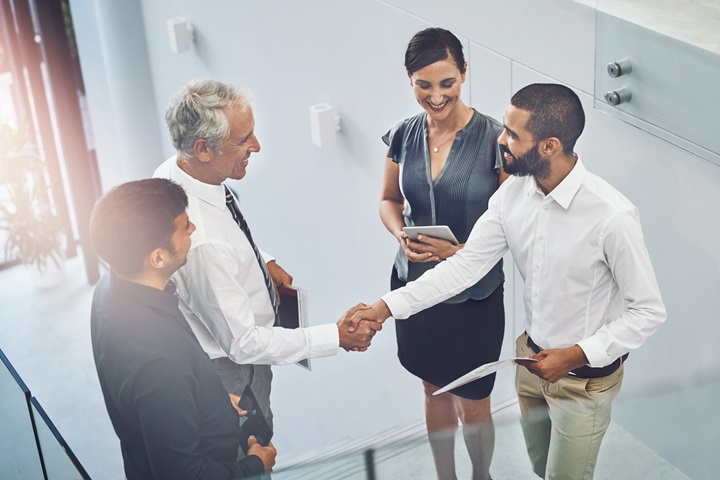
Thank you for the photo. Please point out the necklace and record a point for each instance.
(438, 145)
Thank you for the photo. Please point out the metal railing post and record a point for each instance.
(370, 464)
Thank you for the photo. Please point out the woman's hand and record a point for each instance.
(411, 254)
(427, 249)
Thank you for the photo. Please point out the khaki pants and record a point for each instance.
(564, 422)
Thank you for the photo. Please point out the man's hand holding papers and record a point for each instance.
(483, 371)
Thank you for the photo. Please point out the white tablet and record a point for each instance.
(442, 232)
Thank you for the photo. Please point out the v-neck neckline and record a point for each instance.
(451, 154)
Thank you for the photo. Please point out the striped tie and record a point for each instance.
(237, 216)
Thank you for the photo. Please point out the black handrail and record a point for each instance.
(37, 414)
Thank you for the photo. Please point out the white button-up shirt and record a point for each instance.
(580, 250)
(222, 289)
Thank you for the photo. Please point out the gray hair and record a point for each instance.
(196, 112)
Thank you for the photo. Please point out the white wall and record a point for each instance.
(316, 210)
(118, 82)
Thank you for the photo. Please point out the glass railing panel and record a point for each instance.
(664, 74)
(60, 461)
(413, 459)
(19, 458)
(677, 423)
(348, 466)
(668, 431)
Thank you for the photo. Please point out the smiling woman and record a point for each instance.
(436, 67)
(437, 89)
(442, 166)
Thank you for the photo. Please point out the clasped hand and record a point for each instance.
(362, 321)
(266, 454)
(427, 249)
(358, 337)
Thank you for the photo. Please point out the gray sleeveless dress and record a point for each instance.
(454, 337)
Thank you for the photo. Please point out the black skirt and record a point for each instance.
(448, 340)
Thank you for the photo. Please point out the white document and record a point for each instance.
(480, 372)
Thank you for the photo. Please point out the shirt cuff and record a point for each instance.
(267, 258)
(595, 352)
(254, 464)
(398, 306)
(324, 340)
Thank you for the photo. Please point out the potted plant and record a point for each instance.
(33, 231)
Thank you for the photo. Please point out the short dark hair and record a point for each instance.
(133, 219)
(555, 111)
(432, 45)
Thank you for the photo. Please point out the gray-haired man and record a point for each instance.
(227, 288)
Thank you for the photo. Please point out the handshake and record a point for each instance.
(358, 325)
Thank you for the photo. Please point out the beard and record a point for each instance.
(176, 259)
(532, 163)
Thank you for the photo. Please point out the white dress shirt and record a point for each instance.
(222, 289)
(580, 250)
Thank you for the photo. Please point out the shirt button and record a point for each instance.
(540, 237)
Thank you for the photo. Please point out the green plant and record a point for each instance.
(33, 230)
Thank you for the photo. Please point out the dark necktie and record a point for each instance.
(237, 216)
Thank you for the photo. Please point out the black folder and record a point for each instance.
(292, 311)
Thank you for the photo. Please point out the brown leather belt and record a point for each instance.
(586, 371)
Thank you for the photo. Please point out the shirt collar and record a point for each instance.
(566, 190)
(564, 193)
(164, 300)
(212, 194)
